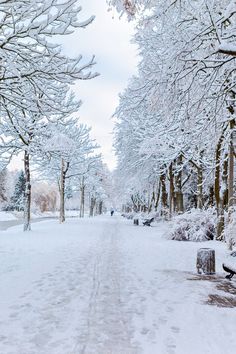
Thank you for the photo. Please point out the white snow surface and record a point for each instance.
(6, 216)
(104, 286)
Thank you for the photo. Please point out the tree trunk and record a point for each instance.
(100, 208)
(225, 199)
(220, 225)
(152, 200)
(164, 195)
(82, 198)
(158, 196)
(62, 192)
(135, 207)
(231, 167)
(220, 212)
(211, 196)
(92, 205)
(231, 198)
(206, 261)
(27, 206)
(172, 190)
(199, 188)
(178, 187)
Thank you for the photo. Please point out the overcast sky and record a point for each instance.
(108, 37)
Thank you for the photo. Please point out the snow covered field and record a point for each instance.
(4, 216)
(104, 286)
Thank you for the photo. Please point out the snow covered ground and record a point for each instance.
(5, 216)
(9, 219)
(104, 286)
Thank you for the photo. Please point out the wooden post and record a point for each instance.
(136, 222)
(206, 261)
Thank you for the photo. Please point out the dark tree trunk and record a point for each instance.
(158, 196)
(172, 190)
(225, 200)
(27, 207)
(211, 196)
(82, 198)
(179, 199)
(231, 197)
(92, 206)
(152, 201)
(231, 167)
(62, 191)
(164, 195)
(100, 206)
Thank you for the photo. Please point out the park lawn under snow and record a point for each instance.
(105, 286)
(5, 216)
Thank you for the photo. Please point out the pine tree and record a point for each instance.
(68, 192)
(17, 200)
(3, 175)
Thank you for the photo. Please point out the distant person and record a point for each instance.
(112, 211)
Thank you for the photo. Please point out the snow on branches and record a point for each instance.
(175, 125)
(36, 77)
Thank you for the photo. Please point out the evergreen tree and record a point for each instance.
(17, 200)
(3, 175)
(68, 192)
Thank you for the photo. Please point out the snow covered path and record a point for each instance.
(103, 286)
(6, 224)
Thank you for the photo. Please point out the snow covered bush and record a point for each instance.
(194, 225)
(230, 230)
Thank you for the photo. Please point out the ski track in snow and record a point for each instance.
(103, 286)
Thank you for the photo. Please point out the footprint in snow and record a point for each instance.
(162, 320)
(175, 329)
(169, 309)
(144, 331)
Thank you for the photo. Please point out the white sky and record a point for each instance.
(108, 38)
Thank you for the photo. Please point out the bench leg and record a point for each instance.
(229, 276)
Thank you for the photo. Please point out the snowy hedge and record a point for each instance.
(194, 225)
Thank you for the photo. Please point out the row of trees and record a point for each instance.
(175, 133)
(37, 104)
(89, 192)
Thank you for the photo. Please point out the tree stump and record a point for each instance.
(206, 261)
(136, 222)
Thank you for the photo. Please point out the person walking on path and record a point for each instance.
(112, 211)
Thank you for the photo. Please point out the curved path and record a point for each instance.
(4, 225)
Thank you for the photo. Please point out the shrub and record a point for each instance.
(194, 225)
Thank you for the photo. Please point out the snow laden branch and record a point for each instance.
(36, 79)
(175, 123)
(69, 154)
(29, 53)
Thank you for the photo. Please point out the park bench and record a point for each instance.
(230, 269)
(148, 222)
